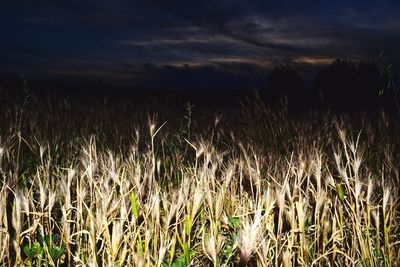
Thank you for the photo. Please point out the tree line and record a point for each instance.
(343, 84)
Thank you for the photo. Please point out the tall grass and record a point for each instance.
(106, 184)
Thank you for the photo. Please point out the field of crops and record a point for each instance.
(116, 184)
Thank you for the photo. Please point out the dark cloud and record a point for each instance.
(117, 38)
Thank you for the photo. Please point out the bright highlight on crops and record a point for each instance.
(110, 185)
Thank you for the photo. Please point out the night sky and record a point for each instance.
(190, 43)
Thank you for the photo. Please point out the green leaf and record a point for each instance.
(179, 263)
(32, 250)
(188, 225)
(134, 206)
(28, 251)
(176, 263)
(56, 253)
(187, 254)
(140, 246)
(234, 222)
(24, 180)
(340, 191)
(202, 218)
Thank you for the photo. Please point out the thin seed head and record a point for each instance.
(250, 236)
(386, 197)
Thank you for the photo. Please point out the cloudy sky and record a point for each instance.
(190, 43)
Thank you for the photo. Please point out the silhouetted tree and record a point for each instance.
(390, 94)
(284, 80)
(347, 84)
